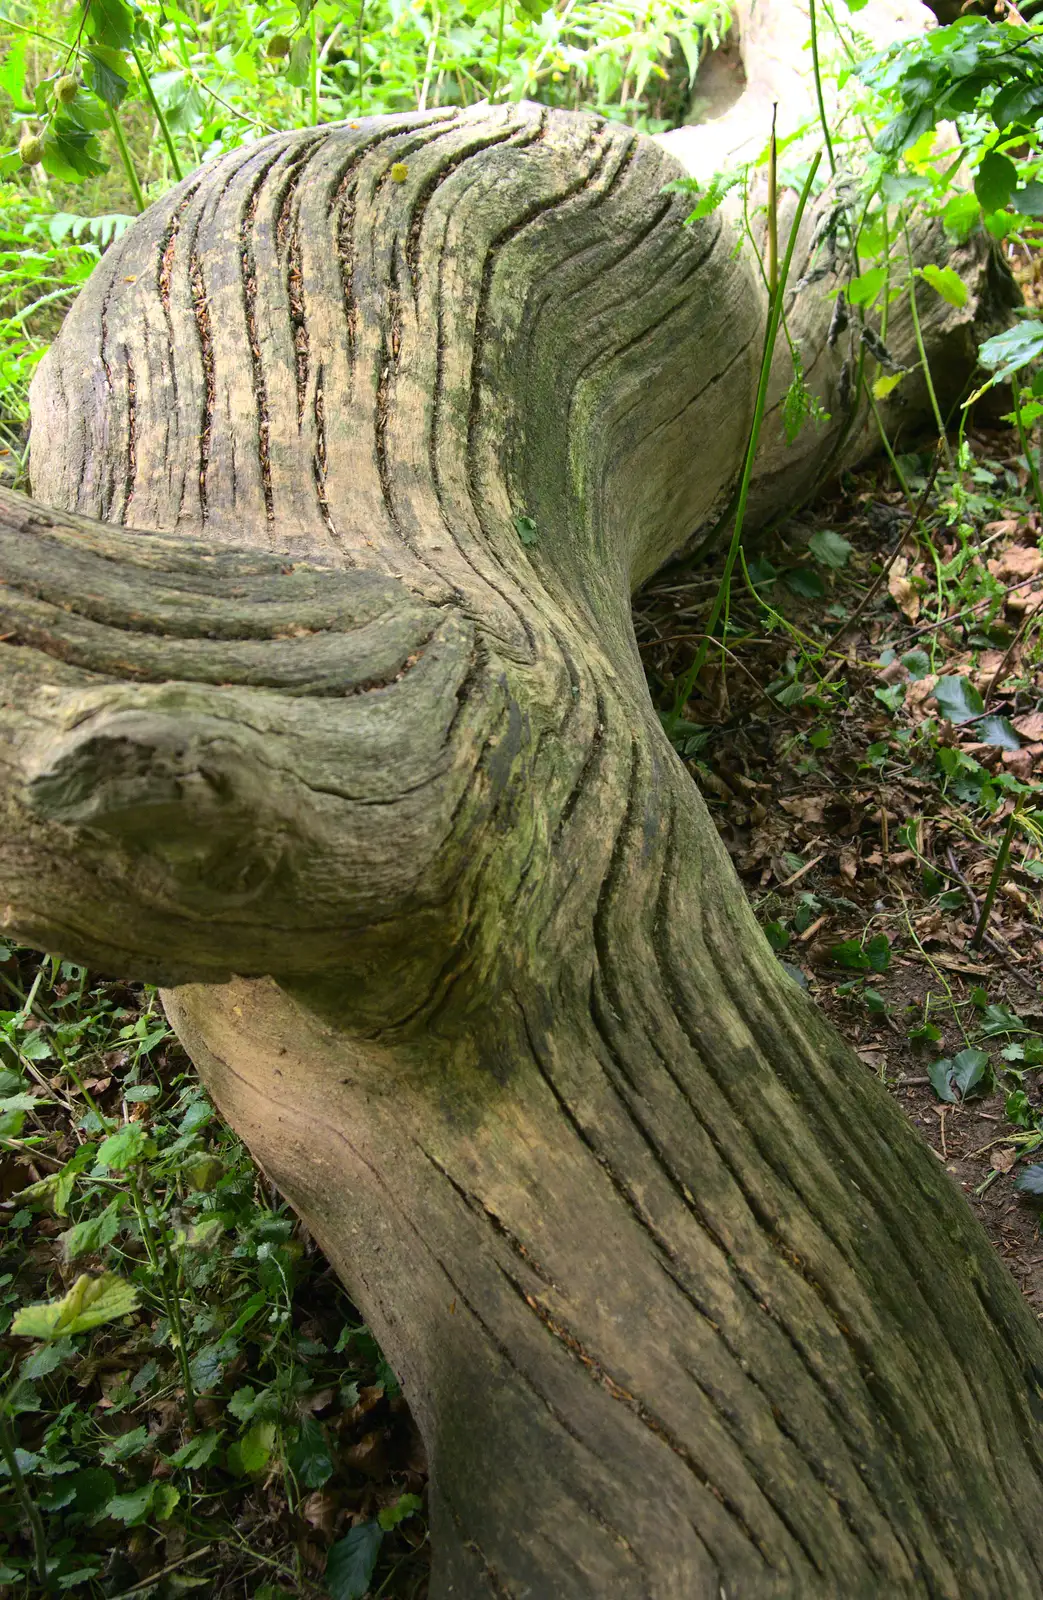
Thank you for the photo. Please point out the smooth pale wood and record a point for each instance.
(773, 46)
(682, 1305)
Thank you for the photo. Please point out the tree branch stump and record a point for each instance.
(352, 750)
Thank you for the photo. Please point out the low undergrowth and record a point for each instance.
(190, 1401)
(876, 772)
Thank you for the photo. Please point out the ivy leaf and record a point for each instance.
(832, 549)
(878, 952)
(947, 283)
(526, 530)
(351, 1561)
(958, 699)
(995, 181)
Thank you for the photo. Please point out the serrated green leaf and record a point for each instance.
(121, 1150)
(947, 283)
(832, 549)
(89, 1303)
(198, 1451)
(998, 731)
(407, 1505)
(93, 1234)
(862, 291)
(105, 77)
(252, 1453)
(918, 664)
(110, 23)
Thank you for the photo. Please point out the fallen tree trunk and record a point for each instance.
(682, 1305)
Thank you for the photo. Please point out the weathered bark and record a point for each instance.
(682, 1306)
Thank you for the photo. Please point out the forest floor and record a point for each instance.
(863, 794)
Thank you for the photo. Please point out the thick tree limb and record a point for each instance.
(682, 1305)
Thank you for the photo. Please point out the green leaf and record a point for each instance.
(997, 1019)
(110, 23)
(44, 1360)
(1029, 200)
(351, 1562)
(121, 1150)
(1007, 352)
(864, 290)
(805, 582)
(527, 530)
(309, 1456)
(155, 1499)
(776, 936)
(998, 731)
(93, 1234)
(918, 664)
(947, 283)
(960, 215)
(940, 1074)
(878, 952)
(299, 64)
(105, 77)
(197, 1452)
(89, 1303)
(407, 1505)
(850, 955)
(252, 1453)
(126, 1446)
(958, 699)
(832, 549)
(1030, 1180)
(995, 181)
(244, 1403)
(93, 1488)
(969, 1069)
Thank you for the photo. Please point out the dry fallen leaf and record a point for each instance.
(849, 862)
(905, 597)
(1003, 1160)
(809, 808)
(1030, 726)
(1020, 561)
(319, 1510)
